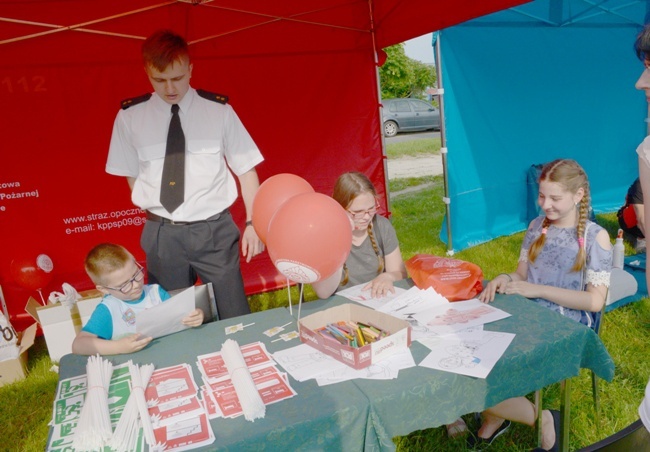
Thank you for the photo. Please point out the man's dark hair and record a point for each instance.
(642, 43)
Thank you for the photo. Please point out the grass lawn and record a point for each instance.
(413, 148)
(27, 405)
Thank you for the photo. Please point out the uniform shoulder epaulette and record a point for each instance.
(215, 97)
(126, 103)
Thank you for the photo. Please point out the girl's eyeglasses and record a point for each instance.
(127, 286)
(359, 214)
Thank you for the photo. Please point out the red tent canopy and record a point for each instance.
(301, 75)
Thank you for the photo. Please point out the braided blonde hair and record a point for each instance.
(570, 175)
(348, 186)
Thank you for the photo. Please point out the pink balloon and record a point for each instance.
(309, 237)
(274, 192)
(33, 273)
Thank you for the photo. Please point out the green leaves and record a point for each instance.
(402, 76)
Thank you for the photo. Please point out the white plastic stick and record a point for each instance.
(289, 292)
(125, 436)
(93, 429)
(249, 398)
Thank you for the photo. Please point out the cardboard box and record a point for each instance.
(16, 369)
(60, 325)
(357, 358)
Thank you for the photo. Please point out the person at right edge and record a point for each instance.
(642, 48)
(182, 178)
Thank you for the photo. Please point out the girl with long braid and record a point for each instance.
(375, 257)
(564, 265)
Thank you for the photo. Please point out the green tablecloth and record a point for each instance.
(367, 414)
(547, 348)
(331, 418)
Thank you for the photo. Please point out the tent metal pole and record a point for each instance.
(383, 142)
(443, 142)
(380, 108)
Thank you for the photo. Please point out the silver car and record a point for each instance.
(401, 115)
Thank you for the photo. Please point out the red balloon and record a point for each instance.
(274, 192)
(309, 237)
(33, 273)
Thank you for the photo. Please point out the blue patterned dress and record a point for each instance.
(553, 264)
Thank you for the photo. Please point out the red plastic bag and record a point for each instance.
(454, 279)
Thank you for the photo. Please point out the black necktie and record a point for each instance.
(172, 187)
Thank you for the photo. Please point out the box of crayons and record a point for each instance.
(355, 335)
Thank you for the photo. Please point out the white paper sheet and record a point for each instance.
(363, 297)
(459, 316)
(473, 354)
(304, 362)
(386, 369)
(166, 318)
(412, 302)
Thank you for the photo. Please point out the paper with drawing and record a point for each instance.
(473, 354)
(459, 316)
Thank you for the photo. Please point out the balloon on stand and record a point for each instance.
(33, 273)
(309, 237)
(271, 194)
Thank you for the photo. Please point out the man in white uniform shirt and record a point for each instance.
(198, 236)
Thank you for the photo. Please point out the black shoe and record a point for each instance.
(475, 442)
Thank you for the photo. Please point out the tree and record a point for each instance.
(401, 76)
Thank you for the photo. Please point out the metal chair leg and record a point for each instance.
(565, 409)
(594, 389)
(538, 423)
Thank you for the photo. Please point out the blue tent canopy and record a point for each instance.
(548, 79)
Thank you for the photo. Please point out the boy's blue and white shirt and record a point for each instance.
(113, 318)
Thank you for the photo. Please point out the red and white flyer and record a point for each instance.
(170, 383)
(271, 385)
(209, 404)
(186, 434)
(213, 367)
(175, 411)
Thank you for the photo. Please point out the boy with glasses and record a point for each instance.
(111, 329)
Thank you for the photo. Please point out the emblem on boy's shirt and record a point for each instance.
(129, 317)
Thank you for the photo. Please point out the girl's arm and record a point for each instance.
(395, 265)
(501, 281)
(326, 287)
(394, 270)
(592, 299)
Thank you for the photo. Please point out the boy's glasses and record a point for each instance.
(127, 286)
(359, 214)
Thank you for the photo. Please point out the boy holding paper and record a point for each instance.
(111, 328)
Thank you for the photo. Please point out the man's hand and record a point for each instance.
(251, 245)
